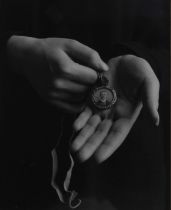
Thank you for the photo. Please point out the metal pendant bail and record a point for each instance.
(101, 79)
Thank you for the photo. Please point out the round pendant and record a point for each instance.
(103, 97)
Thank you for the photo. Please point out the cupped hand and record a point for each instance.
(59, 69)
(100, 134)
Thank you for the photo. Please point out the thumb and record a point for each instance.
(150, 97)
(86, 56)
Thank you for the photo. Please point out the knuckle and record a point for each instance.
(54, 54)
(82, 134)
(72, 42)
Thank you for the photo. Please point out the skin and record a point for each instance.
(60, 70)
(100, 134)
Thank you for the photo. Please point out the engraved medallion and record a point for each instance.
(103, 97)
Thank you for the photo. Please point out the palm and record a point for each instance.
(128, 83)
(102, 133)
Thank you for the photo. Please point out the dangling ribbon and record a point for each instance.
(63, 165)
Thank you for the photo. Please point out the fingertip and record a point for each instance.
(155, 117)
(105, 67)
(74, 146)
(76, 125)
(80, 122)
(152, 111)
(100, 156)
(82, 156)
(157, 120)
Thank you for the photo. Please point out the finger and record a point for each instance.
(88, 149)
(116, 136)
(86, 132)
(83, 74)
(113, 66)
(72, 70)
(87, 55)
(150, 97)
(71, 108)
(82, 119)
(66, 85)
(67, 97)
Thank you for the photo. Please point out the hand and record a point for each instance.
(101, 133)
(60, 70)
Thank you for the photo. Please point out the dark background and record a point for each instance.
(137, 175)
